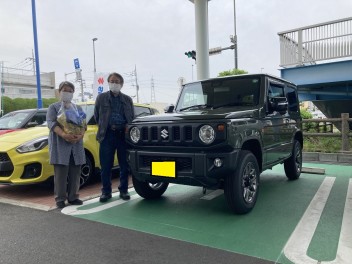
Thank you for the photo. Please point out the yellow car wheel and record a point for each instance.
(87, 172)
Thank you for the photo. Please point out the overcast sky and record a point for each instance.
(153, 36)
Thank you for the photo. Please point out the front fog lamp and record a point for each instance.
(206, 134)
(135, 134)
(217, 162)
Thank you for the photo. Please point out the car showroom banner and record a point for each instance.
(100, 84)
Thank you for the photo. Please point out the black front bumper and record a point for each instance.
(195, 169)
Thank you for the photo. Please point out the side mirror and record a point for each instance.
(278, 104)
(169, 109)
(32, 124)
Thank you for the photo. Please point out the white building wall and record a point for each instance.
(24, 85)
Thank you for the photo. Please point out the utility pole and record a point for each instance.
(234, 37)
(68, 74)
(95, 68)
(152, 97)
(137, 86)
(192, 72)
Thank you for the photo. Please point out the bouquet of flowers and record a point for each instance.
(72, 119)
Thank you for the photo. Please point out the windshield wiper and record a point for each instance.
(195, 106)
(228, 104)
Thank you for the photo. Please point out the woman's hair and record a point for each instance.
(66, 83)
(117, 75)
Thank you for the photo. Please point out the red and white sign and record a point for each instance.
(100, 84)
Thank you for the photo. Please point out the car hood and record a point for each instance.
(5, 131)
(12, 140)
(199, 115)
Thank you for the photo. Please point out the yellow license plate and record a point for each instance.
(164, 168)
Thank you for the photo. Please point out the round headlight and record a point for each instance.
(206, 134)
(135, 134)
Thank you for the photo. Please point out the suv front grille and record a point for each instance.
(182, 164)
(162, 134)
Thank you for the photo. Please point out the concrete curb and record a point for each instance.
(334, 158)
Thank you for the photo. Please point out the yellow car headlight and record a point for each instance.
(33, 145)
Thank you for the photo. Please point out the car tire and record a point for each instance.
(241, 188)
(149, 190)
(293, 165)
(87, 172)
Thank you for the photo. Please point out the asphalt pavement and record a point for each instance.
(33, 236)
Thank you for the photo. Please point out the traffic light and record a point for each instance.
(191, 54)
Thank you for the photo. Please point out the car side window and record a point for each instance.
(275, 91)
(276, 94)
(291, 96)
(39, 118)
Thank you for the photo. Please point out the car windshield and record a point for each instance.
(140, 111)
(240, 91)
(88, 109)
(13, 120)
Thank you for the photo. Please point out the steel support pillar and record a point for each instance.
(202, 38)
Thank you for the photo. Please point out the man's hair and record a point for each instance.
(116, 75)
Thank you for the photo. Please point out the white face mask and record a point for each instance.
(115, 87)
(66, 96)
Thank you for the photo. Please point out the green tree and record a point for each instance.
(305, 114)
(10, 105)
(232, 72)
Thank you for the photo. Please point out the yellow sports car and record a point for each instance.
(24, 157)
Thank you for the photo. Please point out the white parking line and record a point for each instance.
(297, 245)
(73, 209)
(344, 248)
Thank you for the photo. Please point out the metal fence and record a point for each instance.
(325, 41)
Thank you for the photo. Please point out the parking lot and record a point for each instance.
(302, 221)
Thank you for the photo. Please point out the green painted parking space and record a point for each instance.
(272, 231)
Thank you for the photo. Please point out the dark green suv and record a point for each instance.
(222, 133)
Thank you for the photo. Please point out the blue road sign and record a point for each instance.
(76, 62)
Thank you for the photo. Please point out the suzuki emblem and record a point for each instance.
(164, 134)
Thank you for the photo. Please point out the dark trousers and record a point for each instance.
(66, 182)
(114, 142)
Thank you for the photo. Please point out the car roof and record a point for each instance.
(93, 102)
(244, 75)
(29, 110)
